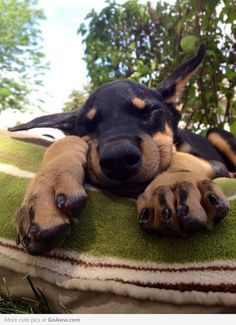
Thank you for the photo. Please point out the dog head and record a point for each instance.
(130, 127)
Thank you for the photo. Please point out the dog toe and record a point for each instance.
(182, 207)
(158, 212)
(214, 201)
(71, 206)
(43, 241)
(192, 217)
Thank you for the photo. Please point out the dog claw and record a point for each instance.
(18, 241)
(26, 240)
(182, 210)
(214, 200)
(166, 214)
(61, 200)
(37, 242)
(144, 216)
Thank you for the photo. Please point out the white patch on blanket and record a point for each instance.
(232, 197)
(15, 171)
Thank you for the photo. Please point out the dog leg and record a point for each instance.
(54, 198)
(183, 199)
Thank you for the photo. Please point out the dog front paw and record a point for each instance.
(44, 219)
(54, 199)
(185, 205)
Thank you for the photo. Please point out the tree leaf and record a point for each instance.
(233, 127)
(189, 43)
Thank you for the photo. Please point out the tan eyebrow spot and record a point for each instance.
(91, 114)
(138, 102)
(185, 147)
(168, 130)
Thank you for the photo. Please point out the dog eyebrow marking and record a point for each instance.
(138, 102)
(164, 138)
(185, 147)
(91, 113)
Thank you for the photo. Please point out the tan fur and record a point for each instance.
(165, 142)
(186, 161)
(206, 187)
(185, 147)
(187, 173)
(86, 138)
(154, 160)
(223, 146)
(180, 85)
(91, 114)
(138, 103)
(183, 166)
(62, 171)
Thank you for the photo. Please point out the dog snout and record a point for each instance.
(120, 161)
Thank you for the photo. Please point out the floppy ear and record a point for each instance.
(66, 122)
(172, 87)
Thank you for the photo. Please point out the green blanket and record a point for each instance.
(106, 250)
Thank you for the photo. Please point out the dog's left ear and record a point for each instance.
(172, 87)
(65, 122)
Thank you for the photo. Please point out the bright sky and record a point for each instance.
(63, 47)
(64, 51)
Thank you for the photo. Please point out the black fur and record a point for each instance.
(117, 119)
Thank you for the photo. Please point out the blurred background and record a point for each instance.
(53, 54)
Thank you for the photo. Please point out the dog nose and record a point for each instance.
(120, 161)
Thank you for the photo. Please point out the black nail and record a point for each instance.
(33, 228)
(61, 200)
(182, 210)
(166, 214)
(31, 214)
(144, 216)
(26, 240)
(214, 200)
(182, 195)
(18, 241)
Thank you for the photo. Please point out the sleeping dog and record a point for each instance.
(126, 139)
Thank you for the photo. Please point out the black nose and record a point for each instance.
(120, 160)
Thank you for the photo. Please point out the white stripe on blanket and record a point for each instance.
(120, 281)
(231, 198)
(62, 266)
(162, 295)
(15, 171)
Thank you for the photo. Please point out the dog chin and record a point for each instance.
(131, 186)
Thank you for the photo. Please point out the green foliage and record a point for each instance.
(76, 99)
(21, 58)
(147, 42)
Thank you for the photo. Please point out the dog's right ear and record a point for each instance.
(172, 87)
(66, 122)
